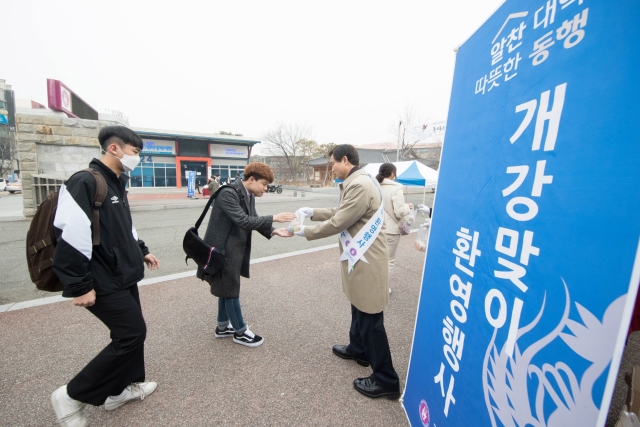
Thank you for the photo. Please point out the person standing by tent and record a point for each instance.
(396, 210)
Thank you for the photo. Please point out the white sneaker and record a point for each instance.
(68, 410)
(134, 391)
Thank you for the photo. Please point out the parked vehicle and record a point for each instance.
(14, 186)
(274, 189)
(3, 184)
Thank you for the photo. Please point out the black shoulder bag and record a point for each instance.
(210, 258)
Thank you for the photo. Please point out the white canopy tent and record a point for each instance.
(410, 173)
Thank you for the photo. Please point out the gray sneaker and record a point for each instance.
(134, 391)
(227, 332)
(68, 411)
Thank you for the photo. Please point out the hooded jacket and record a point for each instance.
(115, 264)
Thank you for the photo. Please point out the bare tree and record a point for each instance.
(324, 150)
(293, 142)
(308, 150)
(408, 119)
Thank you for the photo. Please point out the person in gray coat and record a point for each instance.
(233, 218)
(213, 185)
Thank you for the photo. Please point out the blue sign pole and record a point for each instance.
(191, 183)
(533, 257)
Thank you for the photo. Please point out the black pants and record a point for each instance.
(368, 341)
(121, 362)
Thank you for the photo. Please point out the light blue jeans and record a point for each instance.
(229, 310)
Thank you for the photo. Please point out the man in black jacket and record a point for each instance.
(104, 279)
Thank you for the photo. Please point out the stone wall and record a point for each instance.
(52, 144)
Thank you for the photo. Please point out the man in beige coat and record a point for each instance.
(366, 286)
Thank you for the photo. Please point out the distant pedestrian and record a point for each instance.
(213, 186)
(228, 180)
(231, 224)
(396, 210)
(197, 184)
(104, 279)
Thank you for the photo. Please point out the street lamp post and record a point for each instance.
(398, 144)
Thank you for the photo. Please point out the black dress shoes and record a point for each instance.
(342, 351)
(370, 388)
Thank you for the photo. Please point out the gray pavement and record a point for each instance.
(163, 231)
(296, 303)
(630, 358)
(10, 206)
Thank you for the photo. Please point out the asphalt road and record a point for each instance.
(10, 206)
(162, 231)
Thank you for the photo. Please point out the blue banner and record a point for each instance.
(191, 184)
(533, 265)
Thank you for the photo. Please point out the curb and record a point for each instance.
(12, 218)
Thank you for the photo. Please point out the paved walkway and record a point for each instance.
(630, 358)
(10, 206)
(296, 303)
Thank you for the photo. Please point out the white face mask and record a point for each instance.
(128, 161)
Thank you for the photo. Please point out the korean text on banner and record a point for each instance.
(191, 184)
(533, 260)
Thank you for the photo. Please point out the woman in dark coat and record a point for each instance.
(233, 218)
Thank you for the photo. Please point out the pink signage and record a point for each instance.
(59, 97)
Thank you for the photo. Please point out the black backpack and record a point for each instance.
(41, 239)
(210, 258)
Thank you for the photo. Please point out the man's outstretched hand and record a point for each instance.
(284, 217)
(282, 232)
(308, 212)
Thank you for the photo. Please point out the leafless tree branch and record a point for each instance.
(408, 118)
(293, 142)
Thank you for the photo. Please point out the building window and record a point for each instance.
(227, 170)
(153, 175)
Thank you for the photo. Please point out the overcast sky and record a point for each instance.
(345, 68)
